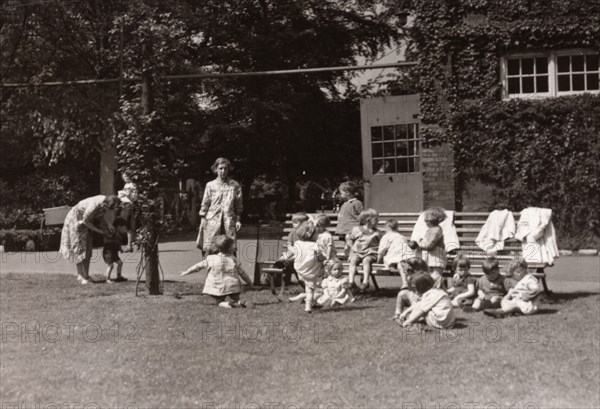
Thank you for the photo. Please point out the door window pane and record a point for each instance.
(402, 165)
(401, 131)
(388, 150)
(376, 133)
(388, 133)
(402, 148)
(377, 150)
(378, 166)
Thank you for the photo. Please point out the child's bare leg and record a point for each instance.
(80, 271)
(352, 269)
(401, 302)
(310, 293)
(509, 306)
(298, 297)
(86, 266)
(478, 304)
(119, 268)
(109, 270)
(366, 264)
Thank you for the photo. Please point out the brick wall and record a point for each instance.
(438, 180)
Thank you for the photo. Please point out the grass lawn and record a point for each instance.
(62, 342)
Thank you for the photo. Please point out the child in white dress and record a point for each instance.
(522, 297)
(335, 286)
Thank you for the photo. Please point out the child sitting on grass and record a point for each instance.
(308, 259)
(364, 241)
(522, 297)
(433, 244)
(408, 294)
(224, 274)
(435, 305)
(349, 212)
(393, 247)
(492, 287)
(112, 248)
(464, 286)
(335, 286)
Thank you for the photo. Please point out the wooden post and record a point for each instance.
(151, 248)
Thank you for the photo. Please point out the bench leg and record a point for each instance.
(375, 285)
(282, 290)
(543, 278)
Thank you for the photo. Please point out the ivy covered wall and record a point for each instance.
(533, 152)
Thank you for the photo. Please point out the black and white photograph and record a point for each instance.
(299, 204)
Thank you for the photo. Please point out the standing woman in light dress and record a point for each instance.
(221, 207)
(76, 237)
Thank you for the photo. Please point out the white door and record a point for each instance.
(391, 153)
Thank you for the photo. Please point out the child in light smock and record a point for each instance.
(434, 306)
(224, 274)
(522, 297)
(393, 247)
(335, 286)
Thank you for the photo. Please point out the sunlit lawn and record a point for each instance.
(101, 344)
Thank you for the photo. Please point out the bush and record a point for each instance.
(16, 240)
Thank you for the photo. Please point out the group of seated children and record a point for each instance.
(493, 292)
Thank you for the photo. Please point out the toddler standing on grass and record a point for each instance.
(308, 259)
(349, 212)
(364, 242)
(492, 287)
(522, 297)
(464, 286)
(433, 244)
(224, 274)
(435, 305)
(393, 247)
(112, 248)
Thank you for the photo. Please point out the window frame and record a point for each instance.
(416, 137)
(552, 73)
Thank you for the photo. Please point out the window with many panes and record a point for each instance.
(550, 74)
(395, 149)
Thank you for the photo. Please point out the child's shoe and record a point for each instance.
(241, 304)
(225, 304)
(120, 279)
(84, 281)
(363, 286)
(109, 281)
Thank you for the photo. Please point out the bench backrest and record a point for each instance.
(467, 224)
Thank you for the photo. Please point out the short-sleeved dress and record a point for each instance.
(223, 275)
(222, 207)
(76, 238)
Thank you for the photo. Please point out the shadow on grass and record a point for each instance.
(561, 298)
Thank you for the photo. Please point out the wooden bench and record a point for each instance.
(468, 226)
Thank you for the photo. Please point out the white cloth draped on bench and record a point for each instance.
(536, 232)
(499, 226)
(451, 241)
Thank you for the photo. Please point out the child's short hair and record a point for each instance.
(392, 224)
(436, 215)
(422, 283)
(323, 221)
(223, 244)
(306, 231)
(367, 215)
(517, 268)
(330, 264)
(119, 221)
(349, 187)
(299, 217)
(461, 261)
(490, 264)
(416, 265)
